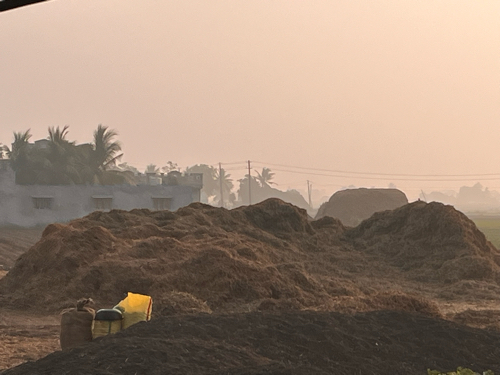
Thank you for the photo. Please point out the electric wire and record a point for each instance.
(378, 173)
(384, 177)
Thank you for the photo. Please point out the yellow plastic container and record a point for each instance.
(135, 308)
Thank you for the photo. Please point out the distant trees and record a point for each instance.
(249, 183)
(3, 151)
(225, 187)
(20, 157)
(171, 166)
(58, 161)
(57, 164)
(152, 169)
(265, 177)
(212, 179)
(103, 155)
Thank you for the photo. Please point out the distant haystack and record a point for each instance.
(352, 206)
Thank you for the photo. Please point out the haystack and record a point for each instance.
(267, 257)
(352, 206)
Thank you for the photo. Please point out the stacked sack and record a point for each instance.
(77, 324)
(133, 309)
(82, 324)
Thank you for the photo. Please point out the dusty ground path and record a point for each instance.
(23, 336)
(26, 337)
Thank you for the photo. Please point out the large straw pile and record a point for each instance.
(267, 257)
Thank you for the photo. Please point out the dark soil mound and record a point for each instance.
(289, 343)
(352, 206)
(266, 257)
(429, 242)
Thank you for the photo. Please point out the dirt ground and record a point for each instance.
(261, 290)
(23, 336)
(26, 337)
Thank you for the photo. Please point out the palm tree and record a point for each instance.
(104, 155)
(106, 149)
(60, 164)
(19, 157)
(152, 169)
(248, 188)
(226, 185)
(265, 177)
(20, 144)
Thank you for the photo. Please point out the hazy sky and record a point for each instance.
(386, 86)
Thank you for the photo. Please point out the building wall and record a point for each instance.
(17, 202)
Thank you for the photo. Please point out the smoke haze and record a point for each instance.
(384, 86)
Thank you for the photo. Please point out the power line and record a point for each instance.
(235, 162)
(378, 173)
(235, 169)
(383, 177)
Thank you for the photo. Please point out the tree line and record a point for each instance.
(60, 161)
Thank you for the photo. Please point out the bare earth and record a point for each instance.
(23, 336)
(26, 337)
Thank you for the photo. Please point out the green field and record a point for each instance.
(490, 226)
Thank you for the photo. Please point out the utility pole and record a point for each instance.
(220, 180)
(309, 189)
(249, 185)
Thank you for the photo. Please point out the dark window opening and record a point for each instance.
(42, 203)
(161, 203)
(102, 203)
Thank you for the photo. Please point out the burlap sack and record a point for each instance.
(76, 325)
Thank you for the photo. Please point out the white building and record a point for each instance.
(31, 205)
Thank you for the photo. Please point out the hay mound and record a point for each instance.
(179, 303)
(267, 257)
(352, 206)
(15, 241)
(306, 343)
(223, 260)
(429, 242)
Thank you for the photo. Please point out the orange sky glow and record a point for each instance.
(394, 88)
